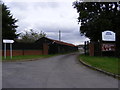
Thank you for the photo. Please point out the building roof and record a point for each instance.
(59, 42)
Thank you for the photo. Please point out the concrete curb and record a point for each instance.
(100, 70)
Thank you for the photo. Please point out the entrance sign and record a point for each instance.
(108, 36)
(5, 41)
(108, 47)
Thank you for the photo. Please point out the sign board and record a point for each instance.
(108, 47)
(108, 36)
(7, 41)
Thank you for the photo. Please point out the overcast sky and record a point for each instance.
(48, 16)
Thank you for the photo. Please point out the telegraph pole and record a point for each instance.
(59, 35)
(59, 40)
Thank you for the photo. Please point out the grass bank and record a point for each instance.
(109, 64)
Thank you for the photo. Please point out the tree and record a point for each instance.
(96, 17)
(8, 24)
(29, 37)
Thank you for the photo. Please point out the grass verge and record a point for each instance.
(30, 57)
(25, 57)
(109, 64)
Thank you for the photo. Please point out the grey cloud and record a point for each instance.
(49, 17)
(18, 5)
(45, 4)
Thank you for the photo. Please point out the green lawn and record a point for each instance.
(25, 57)
(109, 64)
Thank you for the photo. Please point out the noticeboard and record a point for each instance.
(108, 36)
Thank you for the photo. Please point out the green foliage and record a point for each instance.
(96, 17)
(8, 24)
(29, 37)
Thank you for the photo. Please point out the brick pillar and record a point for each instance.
(45, 49)
(91, 49)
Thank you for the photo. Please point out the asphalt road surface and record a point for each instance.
(63, 71)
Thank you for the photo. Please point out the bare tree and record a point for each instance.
(29, 37)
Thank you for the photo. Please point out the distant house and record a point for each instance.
(43, 46)
(81, 48)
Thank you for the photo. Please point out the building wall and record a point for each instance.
(19, 52)
(15, 52)
(23, 52)
(45, 49)
(33, 52)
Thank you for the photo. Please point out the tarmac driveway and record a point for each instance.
(63, 71)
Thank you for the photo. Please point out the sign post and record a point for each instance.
(5, 41)
(11, 50)
(5, 51)
(108, 38)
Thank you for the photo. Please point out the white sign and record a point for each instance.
(7, 41)
(108, 36)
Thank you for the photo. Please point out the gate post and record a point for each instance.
(45, 49)
(91, 49)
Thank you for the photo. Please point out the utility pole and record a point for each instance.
(59, 40)
(59, 35)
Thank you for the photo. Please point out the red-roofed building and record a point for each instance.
(55, 46)
(43, 46)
